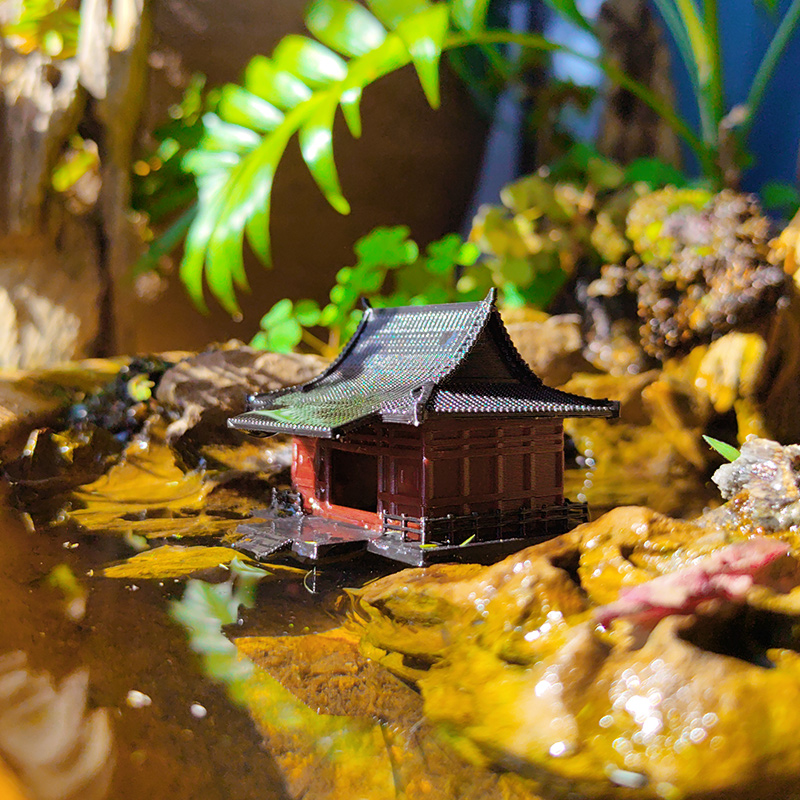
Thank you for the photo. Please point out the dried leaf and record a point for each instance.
(327, 672)
(726, 450)
(202, 525)
(148, 494)
(174, 561)
(147, 478)
(171, 561)
(729, 573)
(320, 755)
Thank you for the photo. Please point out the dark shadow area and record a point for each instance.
(354, 480)
(744, 632)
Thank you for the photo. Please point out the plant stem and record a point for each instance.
(716, 78)
(701, 54)
(317, 344)
(705, 153)
(568, 9)
(674, 23)
(770, 61)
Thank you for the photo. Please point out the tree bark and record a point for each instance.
(632, 38)
(60, 261)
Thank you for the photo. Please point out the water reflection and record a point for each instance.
(124, 642)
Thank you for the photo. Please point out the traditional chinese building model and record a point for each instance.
(428, 439)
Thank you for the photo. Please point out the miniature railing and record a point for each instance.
(526, 523)
(405, 526)
(286, 503)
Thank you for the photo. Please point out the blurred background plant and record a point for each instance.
(298, 90)
(47, 25)
(553, 228)
(390, 271)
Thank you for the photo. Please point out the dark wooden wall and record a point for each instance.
(486, 464)
(447, 466)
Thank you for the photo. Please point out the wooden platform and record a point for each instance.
(317, 539)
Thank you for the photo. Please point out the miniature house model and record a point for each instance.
(428, 439)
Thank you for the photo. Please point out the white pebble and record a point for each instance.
(137, 699)
(198, 711)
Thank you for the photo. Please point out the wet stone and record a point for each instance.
(207, 388)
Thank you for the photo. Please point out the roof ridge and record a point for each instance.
(479, 324)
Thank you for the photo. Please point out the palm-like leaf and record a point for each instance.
(297, 92)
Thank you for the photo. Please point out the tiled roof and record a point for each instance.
(405, 362)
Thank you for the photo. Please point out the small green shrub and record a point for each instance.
(390, 270)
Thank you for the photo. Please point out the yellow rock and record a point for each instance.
(10, 787)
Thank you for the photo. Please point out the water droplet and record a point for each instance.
(697, 735)
(558, 749)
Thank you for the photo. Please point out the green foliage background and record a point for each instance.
(300, 88)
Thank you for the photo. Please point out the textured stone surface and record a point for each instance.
(62, 269)
(212, 386)
(49, 297)
(511, 659)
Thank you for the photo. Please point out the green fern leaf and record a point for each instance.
(310, 61)
(225, 137)
(244, 108)
(392, 12)
(469, 15)
(316, 145)
(204, 162)
(194, 254)
(258, 202)
(225, 261)
(391, 55)
(344, 26)
(297, 92)
(242, 175)
(350, 103)
(277, 86)
(225, 264)
(257, 226)
(424, 35)
(246, 190)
